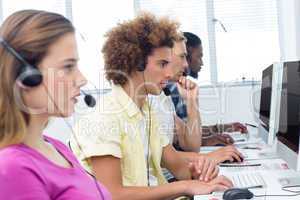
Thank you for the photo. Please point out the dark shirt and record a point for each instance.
(180, 106)
(177, 100)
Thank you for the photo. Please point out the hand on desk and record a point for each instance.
(228, 153)
(203, 168)
(236, 126)
(195, 187)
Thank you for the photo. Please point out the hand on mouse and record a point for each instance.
(226, 153)
(194, 187)
(203, 168)
(235, 126)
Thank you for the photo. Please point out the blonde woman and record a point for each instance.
(39, 78)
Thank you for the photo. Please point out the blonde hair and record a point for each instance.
(30, 33)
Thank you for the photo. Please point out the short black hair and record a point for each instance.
(192, 40)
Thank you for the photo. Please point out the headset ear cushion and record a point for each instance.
(30, 76)
(141, 66)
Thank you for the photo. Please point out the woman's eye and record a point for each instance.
(69, 67)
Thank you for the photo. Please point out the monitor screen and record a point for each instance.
(289, 116)
(265, 97)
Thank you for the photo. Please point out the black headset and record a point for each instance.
(30, 76)
(141, 66)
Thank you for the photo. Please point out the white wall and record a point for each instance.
(230, 103)
(217, 105)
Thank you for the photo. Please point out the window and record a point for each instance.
(92, 20)
(192, 16)
(250, 43)
(243, 40)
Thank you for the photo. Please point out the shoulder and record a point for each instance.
(100, 124)
(20, 177)
(14, 162)
(12, 154)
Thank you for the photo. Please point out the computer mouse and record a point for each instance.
(220, 145)
(237, 193)
(234, 160)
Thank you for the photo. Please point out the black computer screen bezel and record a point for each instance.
(265, 97)
(289, 115)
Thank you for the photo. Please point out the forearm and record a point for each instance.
(215, 129)
(193, 137)
(162, 192)
(220, 128)
(108, 171)
(187, 141)
(182, 172)
(188, 156)
(180, 169)
(177, 162)
(208, 131)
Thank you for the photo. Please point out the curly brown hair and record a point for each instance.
(130, 43)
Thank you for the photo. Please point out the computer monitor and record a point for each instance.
(265, 103)
(265, 97)
(289, 115)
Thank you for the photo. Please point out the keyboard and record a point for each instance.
(238, 137)
(247, 180)
(252, 154)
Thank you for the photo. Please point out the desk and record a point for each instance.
(271, 169)
(274, 187)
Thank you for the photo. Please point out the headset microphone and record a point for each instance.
(167, 91)
(89, 100)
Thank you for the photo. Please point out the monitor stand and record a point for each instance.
(263, 133)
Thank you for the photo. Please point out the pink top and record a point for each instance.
(25, 174)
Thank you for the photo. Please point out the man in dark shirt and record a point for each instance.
(212, 135)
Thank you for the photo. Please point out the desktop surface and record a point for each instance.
(274, 187)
